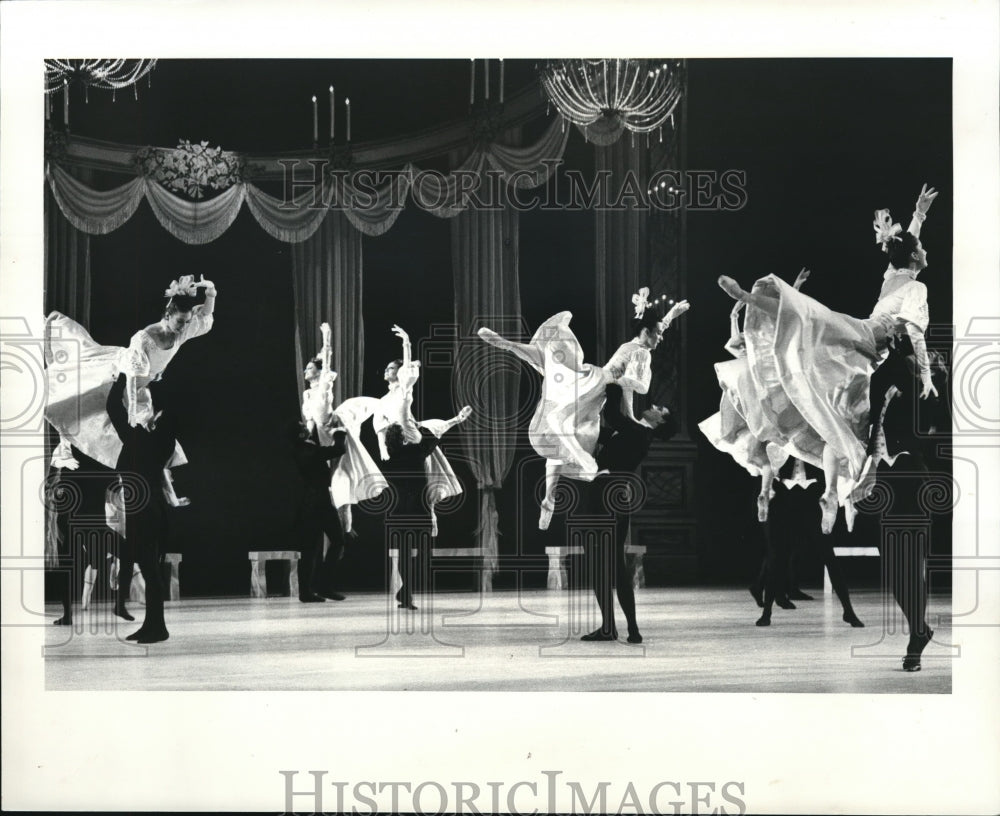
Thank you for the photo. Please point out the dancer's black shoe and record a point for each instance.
(799, 595)
(758, 595)
(123, 613)
(334, 596)
(911, 663)
(408, 605)
(764, 620)
(312, 598)
(65, 620)
(784, 603)
(601, 634)
(854, 620)
(634, 636)
(154, 636)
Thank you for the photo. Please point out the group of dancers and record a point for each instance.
(798, 392)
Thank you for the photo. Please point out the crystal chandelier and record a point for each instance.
(605, 96)
(107, 74)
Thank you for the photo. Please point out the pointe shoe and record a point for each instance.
(762, 504)
(854, 620)
(89, 577)
(732, 288)
(850, 513)
(829, 508)
(600, 634)
(911, 663)
(545, 516)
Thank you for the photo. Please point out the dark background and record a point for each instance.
(823, 144)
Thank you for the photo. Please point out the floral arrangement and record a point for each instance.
(191, 169)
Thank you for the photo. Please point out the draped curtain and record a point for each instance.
(326, 276)
(484, 248)
(621, 245)
(67, 265)
(370, 200)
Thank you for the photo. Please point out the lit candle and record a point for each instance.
(501, 81)
(331, 113)
(315, 121)
(65, 103)
(486, 79)
(48, 107)
(347, 107)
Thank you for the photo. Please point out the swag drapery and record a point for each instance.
(325, 222)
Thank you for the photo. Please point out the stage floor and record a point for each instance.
(695, 640)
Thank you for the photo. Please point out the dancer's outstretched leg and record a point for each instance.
(530, 354)
(828, 501)
(766, 304)
(549, 502)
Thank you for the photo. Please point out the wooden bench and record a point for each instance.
(258, 578)
(558, 577)
(846, 551)
(137, 589)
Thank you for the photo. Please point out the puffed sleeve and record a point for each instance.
(134, 360)
(201, 323)
(914, 306)
(638, 371)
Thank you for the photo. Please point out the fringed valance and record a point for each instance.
(370, 201)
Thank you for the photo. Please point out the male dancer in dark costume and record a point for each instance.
(624, 444)
(316, 515)
(146, 449)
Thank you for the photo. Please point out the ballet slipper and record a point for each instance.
(732, 288)
(65, 620)
(916, 646)
(634, 636)
(601, 635)
(89, 576)
(799, 595)
(122, 612)
(763, 501)
(545, 516)
(763, 620)
(784, 603)
(829, 507)
(850, 513)
(854, 620)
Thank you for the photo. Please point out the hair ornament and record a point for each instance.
(885, 229)
(641, 301)
(184, 285)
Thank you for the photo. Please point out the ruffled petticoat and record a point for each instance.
(810, 371)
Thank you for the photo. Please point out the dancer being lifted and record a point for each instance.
(80, 374)
(355, 477)
(565, 427)
(811, 367)
(740, 427)
(394, 408)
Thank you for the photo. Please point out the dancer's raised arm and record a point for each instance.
(924, 201)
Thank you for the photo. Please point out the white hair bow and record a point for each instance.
(182, 286)
(885, 230)
(641, 301)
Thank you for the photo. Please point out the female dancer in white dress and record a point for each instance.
(740, 427)
(566, 424)
(356, 476)
(395, 407)
(811, 367)
(80, 373)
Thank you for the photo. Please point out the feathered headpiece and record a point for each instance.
(885, 229)
(182, 286)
